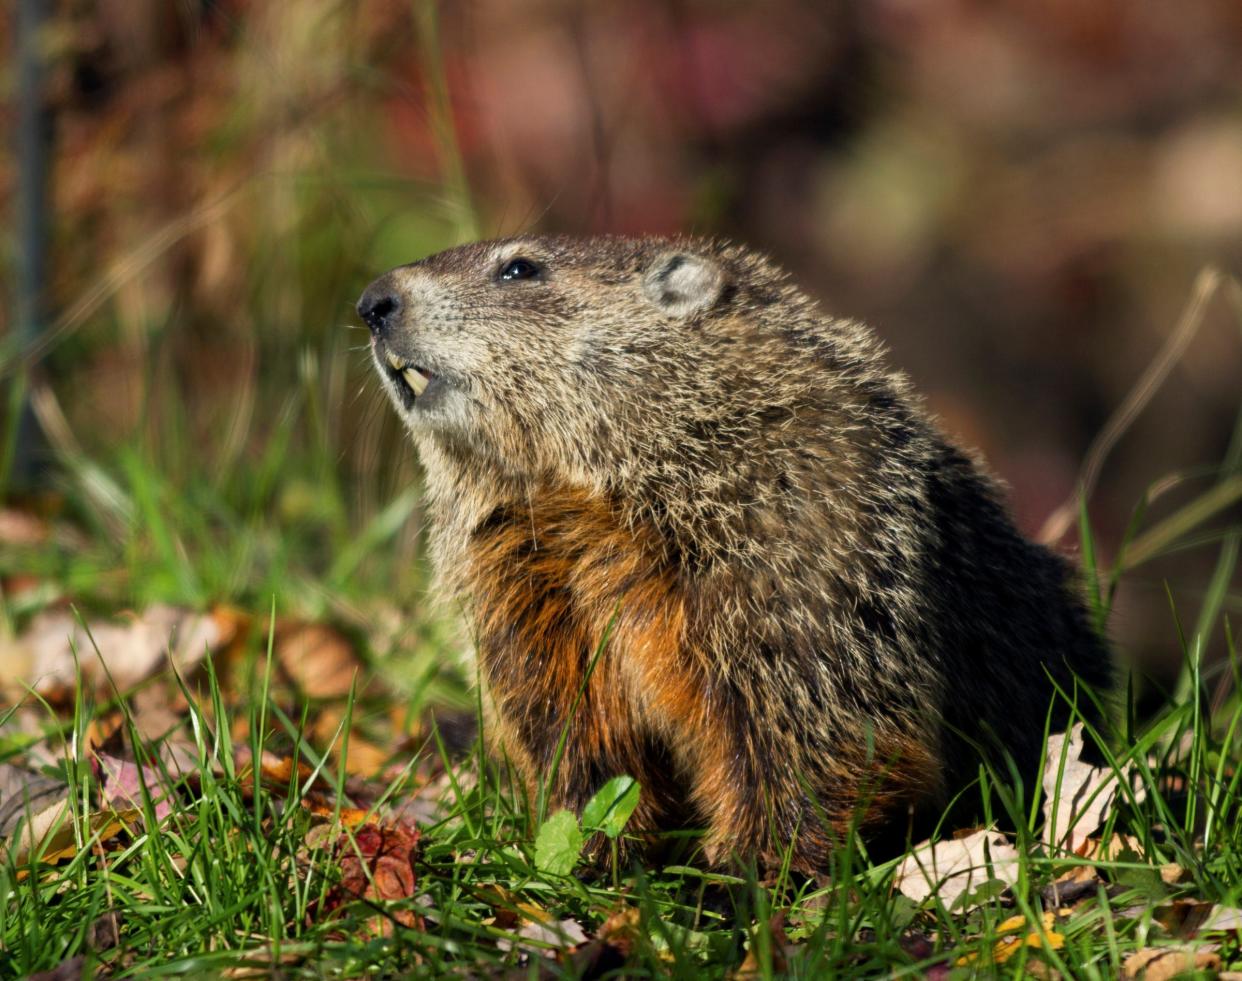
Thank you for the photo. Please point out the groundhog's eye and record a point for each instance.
(519, 269)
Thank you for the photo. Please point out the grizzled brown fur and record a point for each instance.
(820, 612)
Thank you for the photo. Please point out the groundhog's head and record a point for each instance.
(544, 353)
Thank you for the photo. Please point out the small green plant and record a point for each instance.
(561, 838)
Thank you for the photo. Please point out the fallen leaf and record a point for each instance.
(1042, 937)
(317, 658)
(749, 969)
(1078, 796)
(956, 867)
(34, 829)
(53, 837)
(362, 757)
(105, 732)
(1118, 846)
(1041, 971)
(751, 966)
(1165, 963)
(24, 792)
(1171, 874)
(377, 863)
(21, 528)
(1071, 886)
(607, 953)
(122, 782)
(157, 709)
(539, 931)
(1222, 919)
(55, 646)
(1182, 917)
(622, 929)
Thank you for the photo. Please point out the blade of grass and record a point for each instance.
(378, 530)
(443, 124)
(1206, 284)
(1155, 540)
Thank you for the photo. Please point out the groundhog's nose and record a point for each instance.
(379, 305)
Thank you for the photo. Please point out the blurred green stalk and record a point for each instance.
(444, 130)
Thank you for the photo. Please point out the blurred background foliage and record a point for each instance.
(1017, 196)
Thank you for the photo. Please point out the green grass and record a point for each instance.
(230, 880)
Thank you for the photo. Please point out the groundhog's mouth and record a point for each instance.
(410, 379)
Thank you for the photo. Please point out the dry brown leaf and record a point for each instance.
(52, 835)
(25, 793)
(125, 651)
(377, 863)
(749, 969)
(1078, 796)
(362, 757)
(317, 658)
(1071, 886)
(1182, 917)
(533, 928)
(157, 709)
(542, 932)
(622, 928)
(105, 731)
(1041, 971)
(1006, 947)
(33, 828)
(1116, 847)
(1222, 919)
(955, 867)
(607, 953)
(1165, 963)
(121, 784)
(22, 528)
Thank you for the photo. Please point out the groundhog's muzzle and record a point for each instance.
(380, 309)
(379, 306)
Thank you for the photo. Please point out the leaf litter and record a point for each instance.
(369, 840)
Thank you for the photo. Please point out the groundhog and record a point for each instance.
(700, 528)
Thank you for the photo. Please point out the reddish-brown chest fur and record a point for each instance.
(585, 631)
(574, 607)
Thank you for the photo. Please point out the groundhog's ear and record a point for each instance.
(682, 283)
